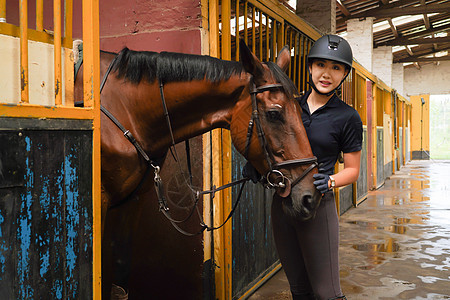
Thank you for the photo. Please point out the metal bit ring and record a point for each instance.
(280, 184)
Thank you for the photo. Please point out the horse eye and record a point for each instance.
(274, 115)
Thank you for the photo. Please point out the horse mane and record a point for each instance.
(136, 66)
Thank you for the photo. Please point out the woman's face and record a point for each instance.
(327, 74)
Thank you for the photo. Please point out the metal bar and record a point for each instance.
(267, 37)
(274, 41)
(253, 29)
(24, 51)
(57, 50)
(40, 15)
(260, 35)
(237, 29)
(245, 22)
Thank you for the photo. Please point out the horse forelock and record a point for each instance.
(136, 66)
(281, 77)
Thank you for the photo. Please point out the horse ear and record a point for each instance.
(284, 58)
(250, 62)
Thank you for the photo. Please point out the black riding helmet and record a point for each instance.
(331, 47)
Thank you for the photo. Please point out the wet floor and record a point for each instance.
(395, 244)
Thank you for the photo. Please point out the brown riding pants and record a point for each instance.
(308, 250)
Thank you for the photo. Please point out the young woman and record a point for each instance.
(308, 250)
(310, 259)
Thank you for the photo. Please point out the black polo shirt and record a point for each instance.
(332, 128)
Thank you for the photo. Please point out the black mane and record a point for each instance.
(169, 67)
(136, 66)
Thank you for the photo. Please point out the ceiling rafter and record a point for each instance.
(419, 53)
(343, 9)
(406, 39)
(429, 30)
(424, 59)
(397, 11)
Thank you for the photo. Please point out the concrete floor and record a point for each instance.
(396, 244)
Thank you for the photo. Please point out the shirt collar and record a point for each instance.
(333, 102)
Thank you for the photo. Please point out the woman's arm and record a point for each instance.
(350, 172)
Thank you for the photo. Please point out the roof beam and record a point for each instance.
(426, 20)
(418, 41)
(382, 12)
(393, 28)
(424, 59)
(425, 53)
(406, 39)
(342, 8)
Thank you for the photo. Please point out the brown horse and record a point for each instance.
(201, 93)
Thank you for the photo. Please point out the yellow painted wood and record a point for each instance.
(24, 51)
(206, 145)
(68, 78)
(374, 136)
(218, 213)
(25, 110)
(237, 30)
(245, 22)
(68, 19)
(260, 282)
(280, 12)
(57, 50)
(91, 86)
(226, 195)
(253, 29)
(2, 10)
(260, 20)
(39, 15)
(33, 35)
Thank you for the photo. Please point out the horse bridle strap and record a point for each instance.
(273, 168)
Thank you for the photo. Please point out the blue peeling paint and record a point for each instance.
(24, 230)
(3, 249)
(72, 219)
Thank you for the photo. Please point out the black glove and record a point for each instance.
(321, 182)
(248, 171)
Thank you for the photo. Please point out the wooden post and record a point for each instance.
(91, 87)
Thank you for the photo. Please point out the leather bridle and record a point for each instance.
(283, 181)
(274, 168)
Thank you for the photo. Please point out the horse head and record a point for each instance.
(267, 129)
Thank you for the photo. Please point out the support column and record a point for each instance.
(360, 37)
(320, 14)
(397, 78)
(382, 63)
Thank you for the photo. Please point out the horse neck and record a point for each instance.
(194, 108)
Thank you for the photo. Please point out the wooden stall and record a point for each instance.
(50, 156)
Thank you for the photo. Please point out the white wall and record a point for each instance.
(430, 79)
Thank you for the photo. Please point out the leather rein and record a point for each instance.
(282, 181)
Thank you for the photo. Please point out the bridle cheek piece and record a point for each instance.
(281, 183)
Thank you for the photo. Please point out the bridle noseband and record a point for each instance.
(282, 180)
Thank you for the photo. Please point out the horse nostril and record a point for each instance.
(307, 200)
